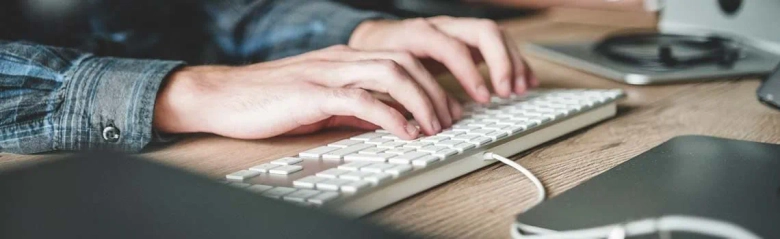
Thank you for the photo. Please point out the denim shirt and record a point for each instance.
(84, 75)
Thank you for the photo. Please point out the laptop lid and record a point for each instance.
(115, 196)
(726, 180)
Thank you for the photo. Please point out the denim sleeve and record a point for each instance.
(262, 30)
(61, 99)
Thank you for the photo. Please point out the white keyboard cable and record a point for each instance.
(538, 184)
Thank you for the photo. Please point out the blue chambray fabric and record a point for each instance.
(67, 75)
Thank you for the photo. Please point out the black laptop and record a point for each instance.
(726, 180)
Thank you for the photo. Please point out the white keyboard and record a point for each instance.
(361, 174)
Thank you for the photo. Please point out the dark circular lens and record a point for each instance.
(730, 7)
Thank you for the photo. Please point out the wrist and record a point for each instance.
(179, 102)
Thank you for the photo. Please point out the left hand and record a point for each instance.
(457, 43)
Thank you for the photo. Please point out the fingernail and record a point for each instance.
(411, 129)
(520, 85)
(506, 83)
(483, 92)
(436, 126)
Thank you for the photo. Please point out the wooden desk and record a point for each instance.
(482, 204)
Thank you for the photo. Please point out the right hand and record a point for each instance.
(302, 94)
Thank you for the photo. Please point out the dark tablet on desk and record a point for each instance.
(728, 180)
(115, 196)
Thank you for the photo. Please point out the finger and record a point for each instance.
(455, 107)
(361, 104)
(384, 76)
(414, 67)
(521, 69)
(334, 122)
(488, 38)
(313, 55)
(455, 55)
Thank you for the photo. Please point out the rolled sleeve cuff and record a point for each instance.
(109, 104)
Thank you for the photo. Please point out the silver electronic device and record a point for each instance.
(702, 31)
(366, 172)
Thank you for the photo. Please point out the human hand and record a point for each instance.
(303, 94)
(457, 43)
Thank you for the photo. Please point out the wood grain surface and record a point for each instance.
(482, 204)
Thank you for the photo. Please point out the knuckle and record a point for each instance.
(405, 58)
(361, 96)
(489, 25)
(339, 47)
(389, 67)
(418, 23)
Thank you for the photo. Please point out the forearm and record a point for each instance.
(62, 99)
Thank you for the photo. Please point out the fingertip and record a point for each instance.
(482, 94)
(520, 85)
(456, 109)
(411, 131)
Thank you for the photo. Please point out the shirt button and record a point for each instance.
(111, 134)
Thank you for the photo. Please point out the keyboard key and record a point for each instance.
(434, 139)
(316, 153)
(497, 127)
(369, 136)
(332, 173)
(417, 144)
(378, 141)
(263, 168)
(239, 184)
(332, 184)
(400, 150)
(301, 195)
(322, 198)
(465, 128)
(383, 157)
(497, 135)
(355, 175)
(355, 186)
(354, 166)
(278, 192)
(482, 132)
(408, 157)
(372, 151)
(425, 161)
(309, 182)
(285, 170)
(378, 178)
(433, 149)
(391, 145)
(444, 154)
(287, 161)
(514, 129)
(449, 143)
(451, 133)
(340, 153)
(399, 169)
(465, 137)
(377, 167)
(482, 140)
(464, 146)
(242, 175)
(345, 143)
(259, 188)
